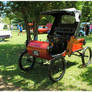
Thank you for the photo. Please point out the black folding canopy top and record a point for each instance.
(70, 11)
(66, 29)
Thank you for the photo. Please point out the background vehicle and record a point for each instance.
(43, 29)
(5, 34)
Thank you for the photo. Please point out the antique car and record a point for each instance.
(62, 41)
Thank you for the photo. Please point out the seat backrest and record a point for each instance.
(66, 29)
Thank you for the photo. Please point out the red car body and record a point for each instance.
(40, 48)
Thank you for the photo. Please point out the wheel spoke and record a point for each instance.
(26, 61)
(57, 69)
(86, 58)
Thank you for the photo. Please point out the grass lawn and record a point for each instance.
(12, 78)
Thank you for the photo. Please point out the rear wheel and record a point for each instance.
(26, 62)
(57, 68)
(86, 56)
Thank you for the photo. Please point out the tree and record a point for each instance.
(30, 11)
(6, 20)
(86, 12)
(1, 8)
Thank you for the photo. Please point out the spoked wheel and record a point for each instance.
(26, 62)
(86, 56)
(57, 68)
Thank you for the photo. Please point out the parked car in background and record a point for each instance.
(5, 34)
(43, 29)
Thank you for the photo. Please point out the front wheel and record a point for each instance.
(26, 62)
(57, 68)
(86, 56)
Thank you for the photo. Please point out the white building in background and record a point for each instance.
(1, 24)
(4, 34)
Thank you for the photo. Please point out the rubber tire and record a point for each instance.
(20, 62)
(83, 60)
(50, 68)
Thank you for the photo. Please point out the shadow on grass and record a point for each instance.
(10, 72)
(69, 64)
(87, 76)
(36, 79)
(4, 40)
(88, 38)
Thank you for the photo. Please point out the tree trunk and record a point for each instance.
(27, 32)
(35, 30)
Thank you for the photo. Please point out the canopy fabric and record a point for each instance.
(70, 11)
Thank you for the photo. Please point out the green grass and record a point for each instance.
(12, 78)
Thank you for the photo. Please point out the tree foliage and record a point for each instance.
(6, 20)
(29, 11)
(1, 8)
